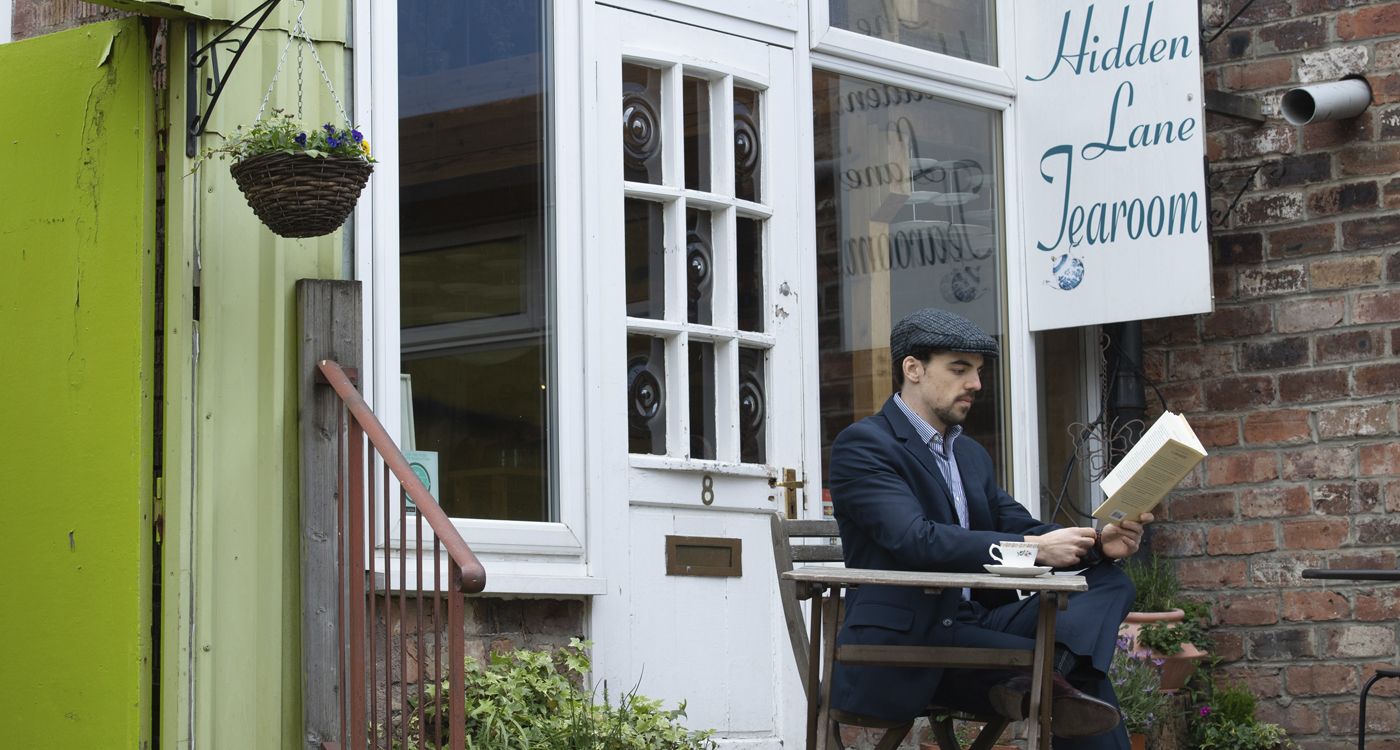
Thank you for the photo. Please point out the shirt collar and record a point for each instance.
(926, 431)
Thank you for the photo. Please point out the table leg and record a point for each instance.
(829, 616)
(1039, 730)
(814, 660)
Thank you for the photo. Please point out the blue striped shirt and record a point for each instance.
(942, 450)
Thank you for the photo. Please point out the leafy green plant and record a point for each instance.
(1229, 735)
(533, 701)
(284, 134)
(1157, 585)
(1136, 681)
(1226, 720)
(1166, 638)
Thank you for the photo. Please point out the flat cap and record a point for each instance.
(931, 328)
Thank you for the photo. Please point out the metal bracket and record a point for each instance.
(214, 86)
(1234, 105)
(1227, 25)
(1272, 169)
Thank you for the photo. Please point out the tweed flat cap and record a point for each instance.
(932, 328)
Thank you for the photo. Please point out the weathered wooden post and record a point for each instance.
(329, 328)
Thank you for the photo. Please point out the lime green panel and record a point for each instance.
(242, 513)
(76, 278)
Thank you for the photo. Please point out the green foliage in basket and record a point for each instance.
(533, 700)
(1137, 681)
(284, 134)
(1157, 585)
(1166, 638)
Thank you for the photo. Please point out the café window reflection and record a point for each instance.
(909, 215)
(474, 251)
(958, 28)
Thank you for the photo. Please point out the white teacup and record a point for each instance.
(1015, 554)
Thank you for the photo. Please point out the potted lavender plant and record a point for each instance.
(1137, 682)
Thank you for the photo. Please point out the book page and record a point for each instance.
(1146, 446)
(1162, 457)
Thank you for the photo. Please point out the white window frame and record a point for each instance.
(883, 61)
(523, 557)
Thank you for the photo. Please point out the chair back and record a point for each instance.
(785, 553)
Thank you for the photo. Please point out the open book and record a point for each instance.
(1161, 458)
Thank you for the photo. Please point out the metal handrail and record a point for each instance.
(473, 573)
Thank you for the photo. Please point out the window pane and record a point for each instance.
(961, 28)
(697, 133)
(908, 216)
(749, 246)
(483, 411)
(641, 124)
(475, 255)
(753, 408)
(699, 267)
(748, 150)
(645, 240)
(646, 394)
(702, 400)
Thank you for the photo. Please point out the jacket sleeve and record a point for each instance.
(868, 489)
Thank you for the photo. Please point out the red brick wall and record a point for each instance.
(1292, 382)
(33, 18)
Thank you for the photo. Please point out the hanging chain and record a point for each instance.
(303, 39)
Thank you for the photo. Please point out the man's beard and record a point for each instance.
(952, 415)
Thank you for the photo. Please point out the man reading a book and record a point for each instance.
(909, 494)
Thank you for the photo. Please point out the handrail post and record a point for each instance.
(457, 657)
(329, 328)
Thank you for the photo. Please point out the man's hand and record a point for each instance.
(1123, 540)
(1064, 547)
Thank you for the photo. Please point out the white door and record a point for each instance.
(700, 264)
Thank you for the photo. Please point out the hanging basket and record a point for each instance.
(297, 195)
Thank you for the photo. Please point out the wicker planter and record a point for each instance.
(297, 195)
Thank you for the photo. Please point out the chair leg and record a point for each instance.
(942, 727)
(990, 734)
(894, 736)
(833, 739)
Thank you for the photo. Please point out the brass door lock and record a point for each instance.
(790, 487)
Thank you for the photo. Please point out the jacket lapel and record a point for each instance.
(904, 431)
(979, 514)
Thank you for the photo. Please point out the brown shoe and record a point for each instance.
(1072, 713)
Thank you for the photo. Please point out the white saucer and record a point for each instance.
(1026, 572)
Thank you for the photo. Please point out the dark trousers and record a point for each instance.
(1088, 628)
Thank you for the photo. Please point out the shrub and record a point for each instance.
(533, 701)
(1136, 682)
(1157, 586)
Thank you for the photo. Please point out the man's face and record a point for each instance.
(943, 388)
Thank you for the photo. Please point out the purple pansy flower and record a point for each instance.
(329, 128)
(358, 135)
(300, 139)
(332, 142)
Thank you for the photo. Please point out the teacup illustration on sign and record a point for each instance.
(963, 285)
(1068, 272)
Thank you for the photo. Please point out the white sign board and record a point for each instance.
(1110, 153)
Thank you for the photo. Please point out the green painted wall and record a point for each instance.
(231, 477)
(76, 276)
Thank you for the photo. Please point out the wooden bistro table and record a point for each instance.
(828, 610)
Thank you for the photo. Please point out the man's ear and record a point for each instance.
(913, 369)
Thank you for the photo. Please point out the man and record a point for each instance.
(908, 494)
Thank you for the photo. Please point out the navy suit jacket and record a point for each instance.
(896, 512)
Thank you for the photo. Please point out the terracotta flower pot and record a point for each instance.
(1139, 741)
(1177, 667)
